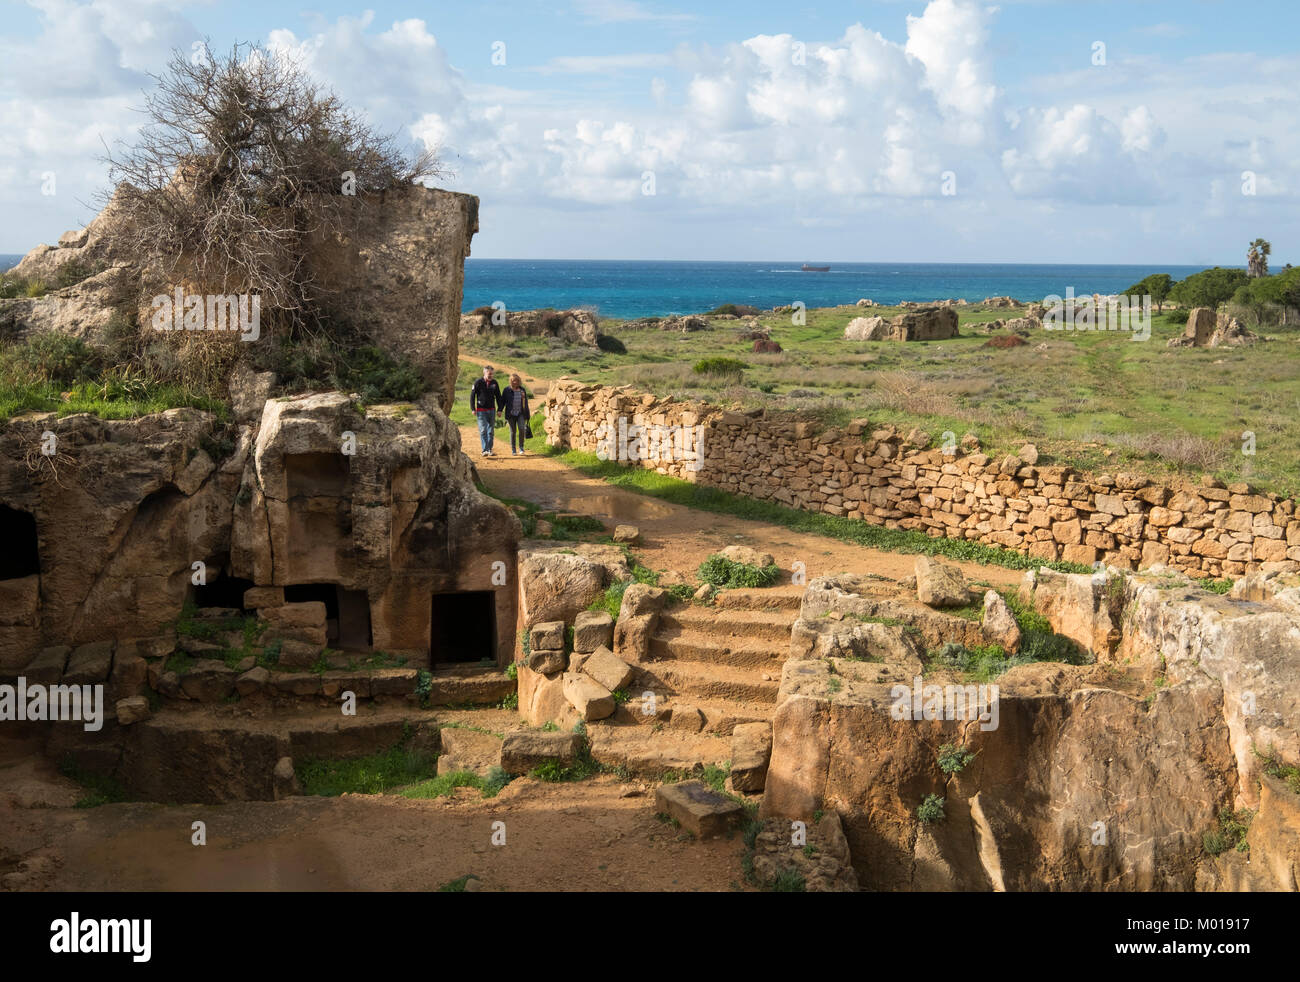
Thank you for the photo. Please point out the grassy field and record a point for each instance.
(1094, 400)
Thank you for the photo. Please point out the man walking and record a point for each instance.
(485, 399)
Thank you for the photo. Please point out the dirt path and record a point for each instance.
(677, 538)
(600, 834)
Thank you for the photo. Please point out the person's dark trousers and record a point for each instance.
(516, 426)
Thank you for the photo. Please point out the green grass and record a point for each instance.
(444, 784)
(372, 774)
(1093, 400)
(102, 789)
(721, 572)
(1229, 832)
(1274, 766)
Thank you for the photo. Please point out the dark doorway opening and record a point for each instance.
(223, 591)
(347, 612)
(20, 556)
(463, 628)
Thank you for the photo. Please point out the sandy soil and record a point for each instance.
(675, 537)
(596, 835)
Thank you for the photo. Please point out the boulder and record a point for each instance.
(546, 661)
(940, 585)
(47, 667)
(547, 636)
(523, 751)
(698, 808)
(589, 698)
(747, 556)
(628, 534)
(133, 709)
(638, 618)
(558, 586)
(591, 630)
(866, 329)
(751, 748)
(1000, 625)
(608, 669)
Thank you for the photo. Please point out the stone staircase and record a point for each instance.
(724, 659)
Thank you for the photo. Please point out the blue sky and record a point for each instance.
(943, 131)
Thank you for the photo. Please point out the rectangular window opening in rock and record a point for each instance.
(20, 556)
(463, 628)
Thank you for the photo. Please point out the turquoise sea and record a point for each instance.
(639, 288)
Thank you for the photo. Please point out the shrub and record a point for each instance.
(610, 344)
(58, 358)
(720, 367)
(931, 809)
(1230, 833)
(735, 309)
(719, 571)
(952, 759)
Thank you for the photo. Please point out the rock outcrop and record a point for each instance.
(926, 324)
(571, 326)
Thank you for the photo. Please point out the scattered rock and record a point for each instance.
(1000, 625)
(686, 718)
(132, 710)
(940, 585)
(547, 636)
(747, 556)
(593, 629)
(591, 699)
(698, 808)
(751, 748)
(523, 751)
(628, 534)
(608, 669)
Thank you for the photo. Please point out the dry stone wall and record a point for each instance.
(884, 477)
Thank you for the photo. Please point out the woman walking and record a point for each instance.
(515, 400)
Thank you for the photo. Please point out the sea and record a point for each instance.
(639, 288)
(645, 288)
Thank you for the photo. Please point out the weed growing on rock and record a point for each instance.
(953, 759)
(1230, 833)
(931, 809)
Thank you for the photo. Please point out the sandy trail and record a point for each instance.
(676, 538)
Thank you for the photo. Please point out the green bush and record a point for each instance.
(952, 759)
(719, 571)
(735, 309)
(720, 367)
(1230, 833)
(931, 809)
(57, 358)
(610, 344)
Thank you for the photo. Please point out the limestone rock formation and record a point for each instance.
(925, 324)
(572, 326)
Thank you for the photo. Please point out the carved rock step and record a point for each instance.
(708, 681)
(755, 625)
(762, 598)
(696, 646)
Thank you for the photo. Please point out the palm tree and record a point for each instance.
(1257, 258)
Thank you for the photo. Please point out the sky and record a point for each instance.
(1138, 131)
